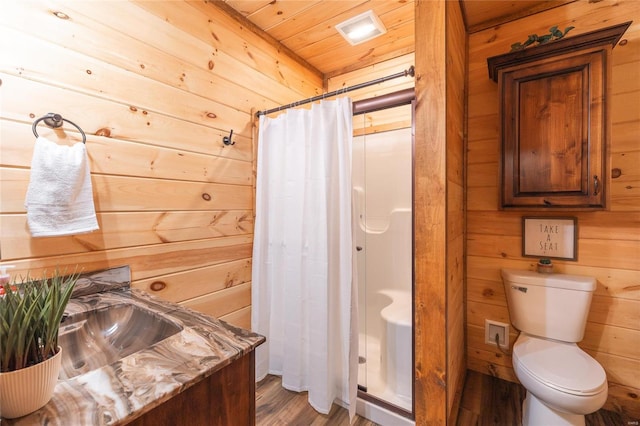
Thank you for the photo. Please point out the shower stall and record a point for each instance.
(383, 224)
(382, 219)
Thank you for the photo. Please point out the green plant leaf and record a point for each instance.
(544, 39)
(554, 34)
(30, 319)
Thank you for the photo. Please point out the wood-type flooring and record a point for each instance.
(486, 401)
(276, 406)
(489, 401)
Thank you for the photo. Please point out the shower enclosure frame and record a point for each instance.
(392, 100)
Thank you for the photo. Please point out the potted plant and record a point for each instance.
(545, 266)
(30, 315)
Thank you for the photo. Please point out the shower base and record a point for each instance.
(371, 375)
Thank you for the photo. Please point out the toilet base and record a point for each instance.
(537, 413)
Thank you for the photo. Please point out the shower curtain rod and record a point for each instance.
(410, 71)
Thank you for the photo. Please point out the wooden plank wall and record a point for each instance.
(384, 120)
(456, 72)
(609, 241)
(430, 230)
(155, 85)
(439, 212)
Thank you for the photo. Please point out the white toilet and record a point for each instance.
(563, 382)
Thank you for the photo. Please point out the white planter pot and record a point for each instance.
(28, 389)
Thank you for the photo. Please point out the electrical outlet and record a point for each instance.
(491, 328)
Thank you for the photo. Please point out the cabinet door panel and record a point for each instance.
(553, 132)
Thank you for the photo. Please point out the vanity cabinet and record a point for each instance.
(554, 122)
(226, 398)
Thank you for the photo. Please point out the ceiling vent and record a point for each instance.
(361, 28)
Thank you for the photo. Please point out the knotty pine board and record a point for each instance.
(266, 14)
(322, 54)
(620, 369)
(147, 261)
(124, 158)
(222, 302)
(482, 14)
(620, 254)
(101, 79)
(621, 283)
(317, 19)
(151, 100)
(455, 129)
(120, 193)
(615, 339)
(239, 318)
(623, 197)
(204, 34)
(182, 61)
(319, 41)
(207, 23)
(373, 72)
(26, 100)
(124, 229)
(189, 284)
(430, 298)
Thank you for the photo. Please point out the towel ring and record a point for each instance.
(54, 121)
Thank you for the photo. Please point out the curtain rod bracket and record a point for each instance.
(411, 71)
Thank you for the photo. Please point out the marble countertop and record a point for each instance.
(122, 391)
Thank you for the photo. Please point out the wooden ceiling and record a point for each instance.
(307, 27)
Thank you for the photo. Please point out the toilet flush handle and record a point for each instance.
(522, 289)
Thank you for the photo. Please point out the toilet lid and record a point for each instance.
(562, 366)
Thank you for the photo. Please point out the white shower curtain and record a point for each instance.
(303, 294)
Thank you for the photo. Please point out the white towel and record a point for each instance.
(60, 198)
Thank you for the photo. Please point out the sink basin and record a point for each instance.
(100, 337)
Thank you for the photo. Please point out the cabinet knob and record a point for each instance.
(596, 185)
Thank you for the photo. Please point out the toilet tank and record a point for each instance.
(553, 306)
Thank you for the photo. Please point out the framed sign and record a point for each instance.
(552, 237)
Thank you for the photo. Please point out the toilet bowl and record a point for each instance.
(559, 376)
(563, 382)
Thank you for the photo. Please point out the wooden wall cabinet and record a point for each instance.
(554, 123)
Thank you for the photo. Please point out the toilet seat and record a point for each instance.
(562, 366)
(560, 374)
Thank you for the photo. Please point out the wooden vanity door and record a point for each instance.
(553, 132)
